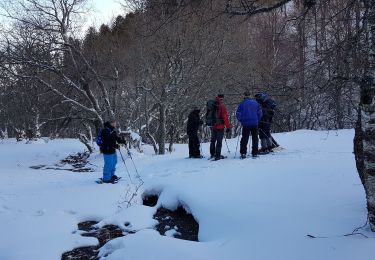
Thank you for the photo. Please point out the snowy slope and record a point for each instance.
(246, 209)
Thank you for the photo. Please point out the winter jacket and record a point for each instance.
(249, 112)
(222, 114)
(268, 112)
(193, 122)
(110, 139)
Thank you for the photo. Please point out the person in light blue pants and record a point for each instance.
(110, 142)
(110, 161)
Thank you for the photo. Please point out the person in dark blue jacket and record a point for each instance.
(249, 114)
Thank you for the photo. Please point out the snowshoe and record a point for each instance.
(112, 181)
(216, 158)
(263, 151)
(278, 148)
(196, 156)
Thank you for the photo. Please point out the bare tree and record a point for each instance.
(365, 139)
(49, 26)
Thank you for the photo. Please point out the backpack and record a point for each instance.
(99, 138)
(270, 103)
(211, 114)
(268, 108)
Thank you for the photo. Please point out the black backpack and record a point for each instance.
(269, 106)
(270, 103)
(211, 114)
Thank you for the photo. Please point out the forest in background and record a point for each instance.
(149, 67)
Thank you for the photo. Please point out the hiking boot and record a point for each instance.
(263, 151)
(109, 181)
(254, 155)
(114, 178)
(243, 156)
(197, 156)
(219, 157)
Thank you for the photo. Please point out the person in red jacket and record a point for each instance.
(217, 131)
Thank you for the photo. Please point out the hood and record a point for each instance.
(196, 111)
(108, 125)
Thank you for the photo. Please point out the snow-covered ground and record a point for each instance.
(246, 209)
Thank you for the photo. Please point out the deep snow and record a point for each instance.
(246, 209)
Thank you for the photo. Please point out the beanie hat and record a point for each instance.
(220, 95)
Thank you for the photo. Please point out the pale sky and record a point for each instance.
(104, 11)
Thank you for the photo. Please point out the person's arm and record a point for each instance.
(225, 117)
(239, 112)
(119, 139)
(260, 113)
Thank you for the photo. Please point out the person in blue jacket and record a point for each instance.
(249, 113)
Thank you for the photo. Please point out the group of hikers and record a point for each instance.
(254, 114)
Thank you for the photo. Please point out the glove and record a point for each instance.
(227, 131)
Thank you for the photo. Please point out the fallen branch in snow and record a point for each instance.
(130, 195)
(354, 233)
(346, 235)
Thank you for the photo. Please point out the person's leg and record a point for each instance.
(263, 143)
(219, 142)
(267, 133)
(263, 137)
(244, 140)
(213, 142)
(274, 143)
(107, 167)
(196, 150)
(114, 163)
(191, 148)
(254, 141)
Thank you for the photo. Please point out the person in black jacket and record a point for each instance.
(110, 142)
(193, 124)
(268, 106)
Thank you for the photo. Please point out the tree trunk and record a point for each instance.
(162, 134)
(153, 142)
(365, 132)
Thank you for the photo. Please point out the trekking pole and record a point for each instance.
(238, 140)
(126, 167)
(135, 167)
(225, 138)
(274, 142)
(200, 143)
